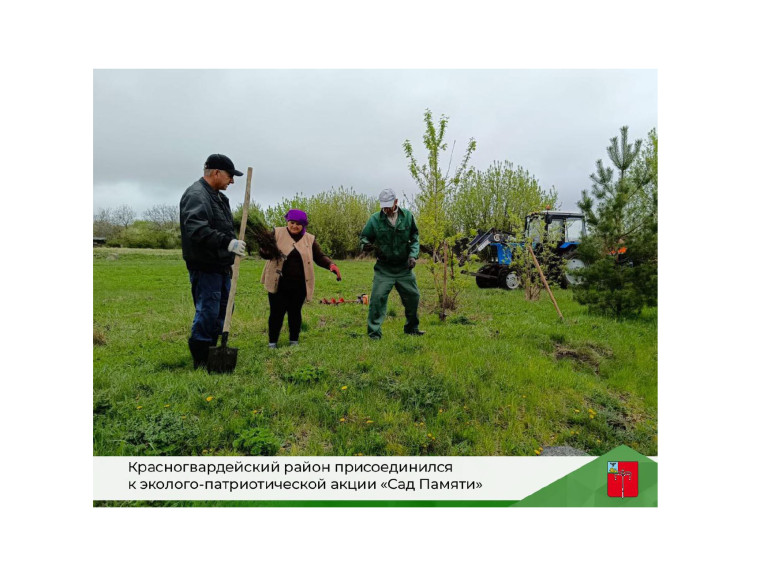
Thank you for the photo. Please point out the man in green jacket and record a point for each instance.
(393, 233)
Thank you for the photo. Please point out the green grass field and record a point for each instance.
(502, 376)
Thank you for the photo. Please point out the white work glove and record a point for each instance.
(237, 246)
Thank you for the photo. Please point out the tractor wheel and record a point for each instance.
(509, 279)
(572, 263)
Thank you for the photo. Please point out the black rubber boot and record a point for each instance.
(415, 333)
(199, 351)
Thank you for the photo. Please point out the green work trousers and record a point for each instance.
(406, 284)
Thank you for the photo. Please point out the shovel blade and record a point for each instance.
(222, 360)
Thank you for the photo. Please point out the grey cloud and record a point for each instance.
(309, 130)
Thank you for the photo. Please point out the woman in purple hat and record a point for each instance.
(289, 274)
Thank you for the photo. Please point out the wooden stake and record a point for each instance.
(543, 280)
(445, 274)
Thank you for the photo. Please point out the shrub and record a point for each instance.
(421, 394)
(257, 442)
(336, 218)
(305, 374)
(164, 434)
(146, 235)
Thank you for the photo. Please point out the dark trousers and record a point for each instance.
(289, 299)
(210, 294)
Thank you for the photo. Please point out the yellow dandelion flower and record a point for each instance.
(344, 387)
(440, 410)
(369, 421)
(342, 419)
(139, 406)
(167, 406)
(209, 398)
(537, 451)
(254, 411)
(541, 448)
(524, 396)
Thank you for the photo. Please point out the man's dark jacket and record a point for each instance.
(205, 220)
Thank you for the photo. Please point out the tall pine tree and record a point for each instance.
(620, 250)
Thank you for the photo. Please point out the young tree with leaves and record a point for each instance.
(433, 204)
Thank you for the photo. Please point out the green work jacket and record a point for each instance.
(394, 244)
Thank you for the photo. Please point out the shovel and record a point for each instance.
(224, 359)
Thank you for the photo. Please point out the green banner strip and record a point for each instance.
(584, 487)
(308, 504)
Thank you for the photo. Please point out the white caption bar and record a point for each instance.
(327, 478)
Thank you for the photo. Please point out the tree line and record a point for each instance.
(499, 196)
(620, 251)
(157, 228)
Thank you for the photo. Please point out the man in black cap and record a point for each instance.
(209, 247)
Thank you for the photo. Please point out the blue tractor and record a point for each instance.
(560, 230)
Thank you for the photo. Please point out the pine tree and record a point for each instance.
(620, 251)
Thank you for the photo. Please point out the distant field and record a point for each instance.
(502, 376)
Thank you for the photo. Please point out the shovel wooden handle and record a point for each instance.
(543, 280)
(236, 264)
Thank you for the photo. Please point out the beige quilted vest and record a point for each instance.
(285, 243)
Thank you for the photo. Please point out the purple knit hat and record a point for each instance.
(299, 216)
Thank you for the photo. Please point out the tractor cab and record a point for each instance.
(563, 228)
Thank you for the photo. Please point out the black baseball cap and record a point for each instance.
(221, 162)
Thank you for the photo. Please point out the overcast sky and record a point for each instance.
(310, 130)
